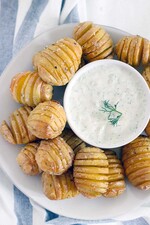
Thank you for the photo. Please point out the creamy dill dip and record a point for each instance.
(107, 103)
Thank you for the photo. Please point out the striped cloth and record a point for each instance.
(20, 21)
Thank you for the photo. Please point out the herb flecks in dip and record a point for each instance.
(113, 114)
(112, 85)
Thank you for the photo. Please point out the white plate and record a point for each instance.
(79, 207)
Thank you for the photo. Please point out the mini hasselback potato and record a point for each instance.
(57, 63)
(147, 129)
(59, 187)
(146, 75)
(47, 120)
(90, 172)
(54, 156)
(17, 132)
(96, 43)
(26, 159)
(116, 182)
(133, 50)
(29, 89)
(136, 162)
(72, 140)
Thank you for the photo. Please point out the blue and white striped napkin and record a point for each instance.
(20, 22)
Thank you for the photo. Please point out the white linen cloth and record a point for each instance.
(22, 20)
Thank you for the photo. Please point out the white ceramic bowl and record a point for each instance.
(83, 109)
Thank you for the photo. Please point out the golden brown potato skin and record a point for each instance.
(28, 88)
(59, 187)
(26, 159)
(57, 63)
(91, 172)
(72, 140)
(136, 162)
(47, 120)
(147, 129)
(146, 75)
(116, 178)
(96, 43)
(133, 50)
(17, 132)
(54, 156)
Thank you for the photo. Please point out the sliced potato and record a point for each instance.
(136, 161)
(57, 63)
(94, 40)
(116, 179)
(54, 156)
(91, 172)
(26, 159)
(59, 187)
(47, 120)
(27, 88)
(146, 75)
(133, 50)
(72, 140)
(147, 129)
(17, 132)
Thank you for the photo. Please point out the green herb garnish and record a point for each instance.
(113, 114)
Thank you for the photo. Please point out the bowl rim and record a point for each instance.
(89, 66)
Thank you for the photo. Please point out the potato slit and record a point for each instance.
(24, 87)
(138, 51)
(53, 112)
(15, 129)
(88, 35)
(63, 186)
(37, 96)
(53, 61)
(49, 120)
(137, 165)
(17, 88)
(52, 77)
(92, 44)
(28, 91)
(139, 182)
(61, 118)
(24, 119)
(119, 47)
(24, 125)
(135, 153)
(70, 54)
(65, 153)
(141, 160)
(66, 43)
(28, 109)
(136, 145)
(100, 44)
(66, 65)
(54, 57)
(53, 73)
(125, 50)
(107, 51)
(56, 189)
(60, 156)
(134, 174)
(7, 133)
(52, 157)
(84, 30)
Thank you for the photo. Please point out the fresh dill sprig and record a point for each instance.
(113, 114)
